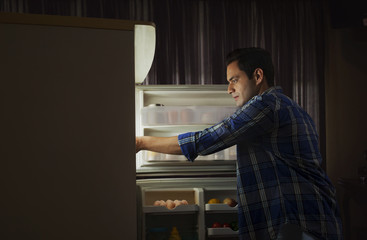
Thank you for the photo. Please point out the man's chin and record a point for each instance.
(239, 103)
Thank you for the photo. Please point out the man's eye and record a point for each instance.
(234, 80)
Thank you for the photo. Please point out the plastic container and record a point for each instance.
(156, 114)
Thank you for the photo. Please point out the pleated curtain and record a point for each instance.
(194, 36)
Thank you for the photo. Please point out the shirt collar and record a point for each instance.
(273, 89)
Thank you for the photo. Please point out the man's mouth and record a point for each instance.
(235, 98)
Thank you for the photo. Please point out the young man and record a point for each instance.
(282, 191)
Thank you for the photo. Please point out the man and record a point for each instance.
(282, 191)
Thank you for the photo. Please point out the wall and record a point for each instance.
(346, 84)
(346, 118)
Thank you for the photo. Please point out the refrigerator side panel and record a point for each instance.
(68, 128)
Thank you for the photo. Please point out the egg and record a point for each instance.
(184, 202)
(177, 202)
(157, 203)
(163, 203)
(170, 204)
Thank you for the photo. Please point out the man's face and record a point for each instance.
(240, 86)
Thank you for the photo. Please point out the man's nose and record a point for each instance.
(230, 89)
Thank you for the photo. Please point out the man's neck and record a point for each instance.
(264, 86)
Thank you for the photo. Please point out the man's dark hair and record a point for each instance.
(251, 58)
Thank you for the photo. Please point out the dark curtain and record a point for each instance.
(194, 36)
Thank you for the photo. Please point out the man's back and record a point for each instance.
(279, 175)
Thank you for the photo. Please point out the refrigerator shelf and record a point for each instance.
(184, 115)
(220, 207)
(182, 209)
(175, 128)
(222, 232)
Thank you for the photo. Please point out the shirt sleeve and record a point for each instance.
(187, 144)
(252, 120)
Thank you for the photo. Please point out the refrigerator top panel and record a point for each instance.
(169, 110)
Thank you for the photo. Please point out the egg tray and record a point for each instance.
(185, 209)
(191, 195)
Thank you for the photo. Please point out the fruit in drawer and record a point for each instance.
(226, 225)
(234, 226)
(216, 225)
(213, 200)
(230, 201)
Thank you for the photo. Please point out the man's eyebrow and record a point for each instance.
(232, 78)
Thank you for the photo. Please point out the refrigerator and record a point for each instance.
(206, 184)
(68, 127)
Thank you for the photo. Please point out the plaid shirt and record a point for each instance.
(279, 178)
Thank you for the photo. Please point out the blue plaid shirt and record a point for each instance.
(279, 178)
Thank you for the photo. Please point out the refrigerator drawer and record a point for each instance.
(220, 207)
(222, 232)
(171, 201)
(186, 209)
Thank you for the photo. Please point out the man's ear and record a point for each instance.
(259, 75)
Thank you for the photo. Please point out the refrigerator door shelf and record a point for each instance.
(182, 209)
(220, 208)
(217, 232)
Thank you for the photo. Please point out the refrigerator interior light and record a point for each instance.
(144, 43)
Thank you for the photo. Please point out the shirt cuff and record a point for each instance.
(187, 145)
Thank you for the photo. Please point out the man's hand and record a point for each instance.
(138, 143)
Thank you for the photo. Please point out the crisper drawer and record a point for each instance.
(184, 115)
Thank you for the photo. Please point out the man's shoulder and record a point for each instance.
(276, 94)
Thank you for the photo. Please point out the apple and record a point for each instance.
(216, 225)
(230, 202)
(226, 225)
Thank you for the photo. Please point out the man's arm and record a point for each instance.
(168, 145)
